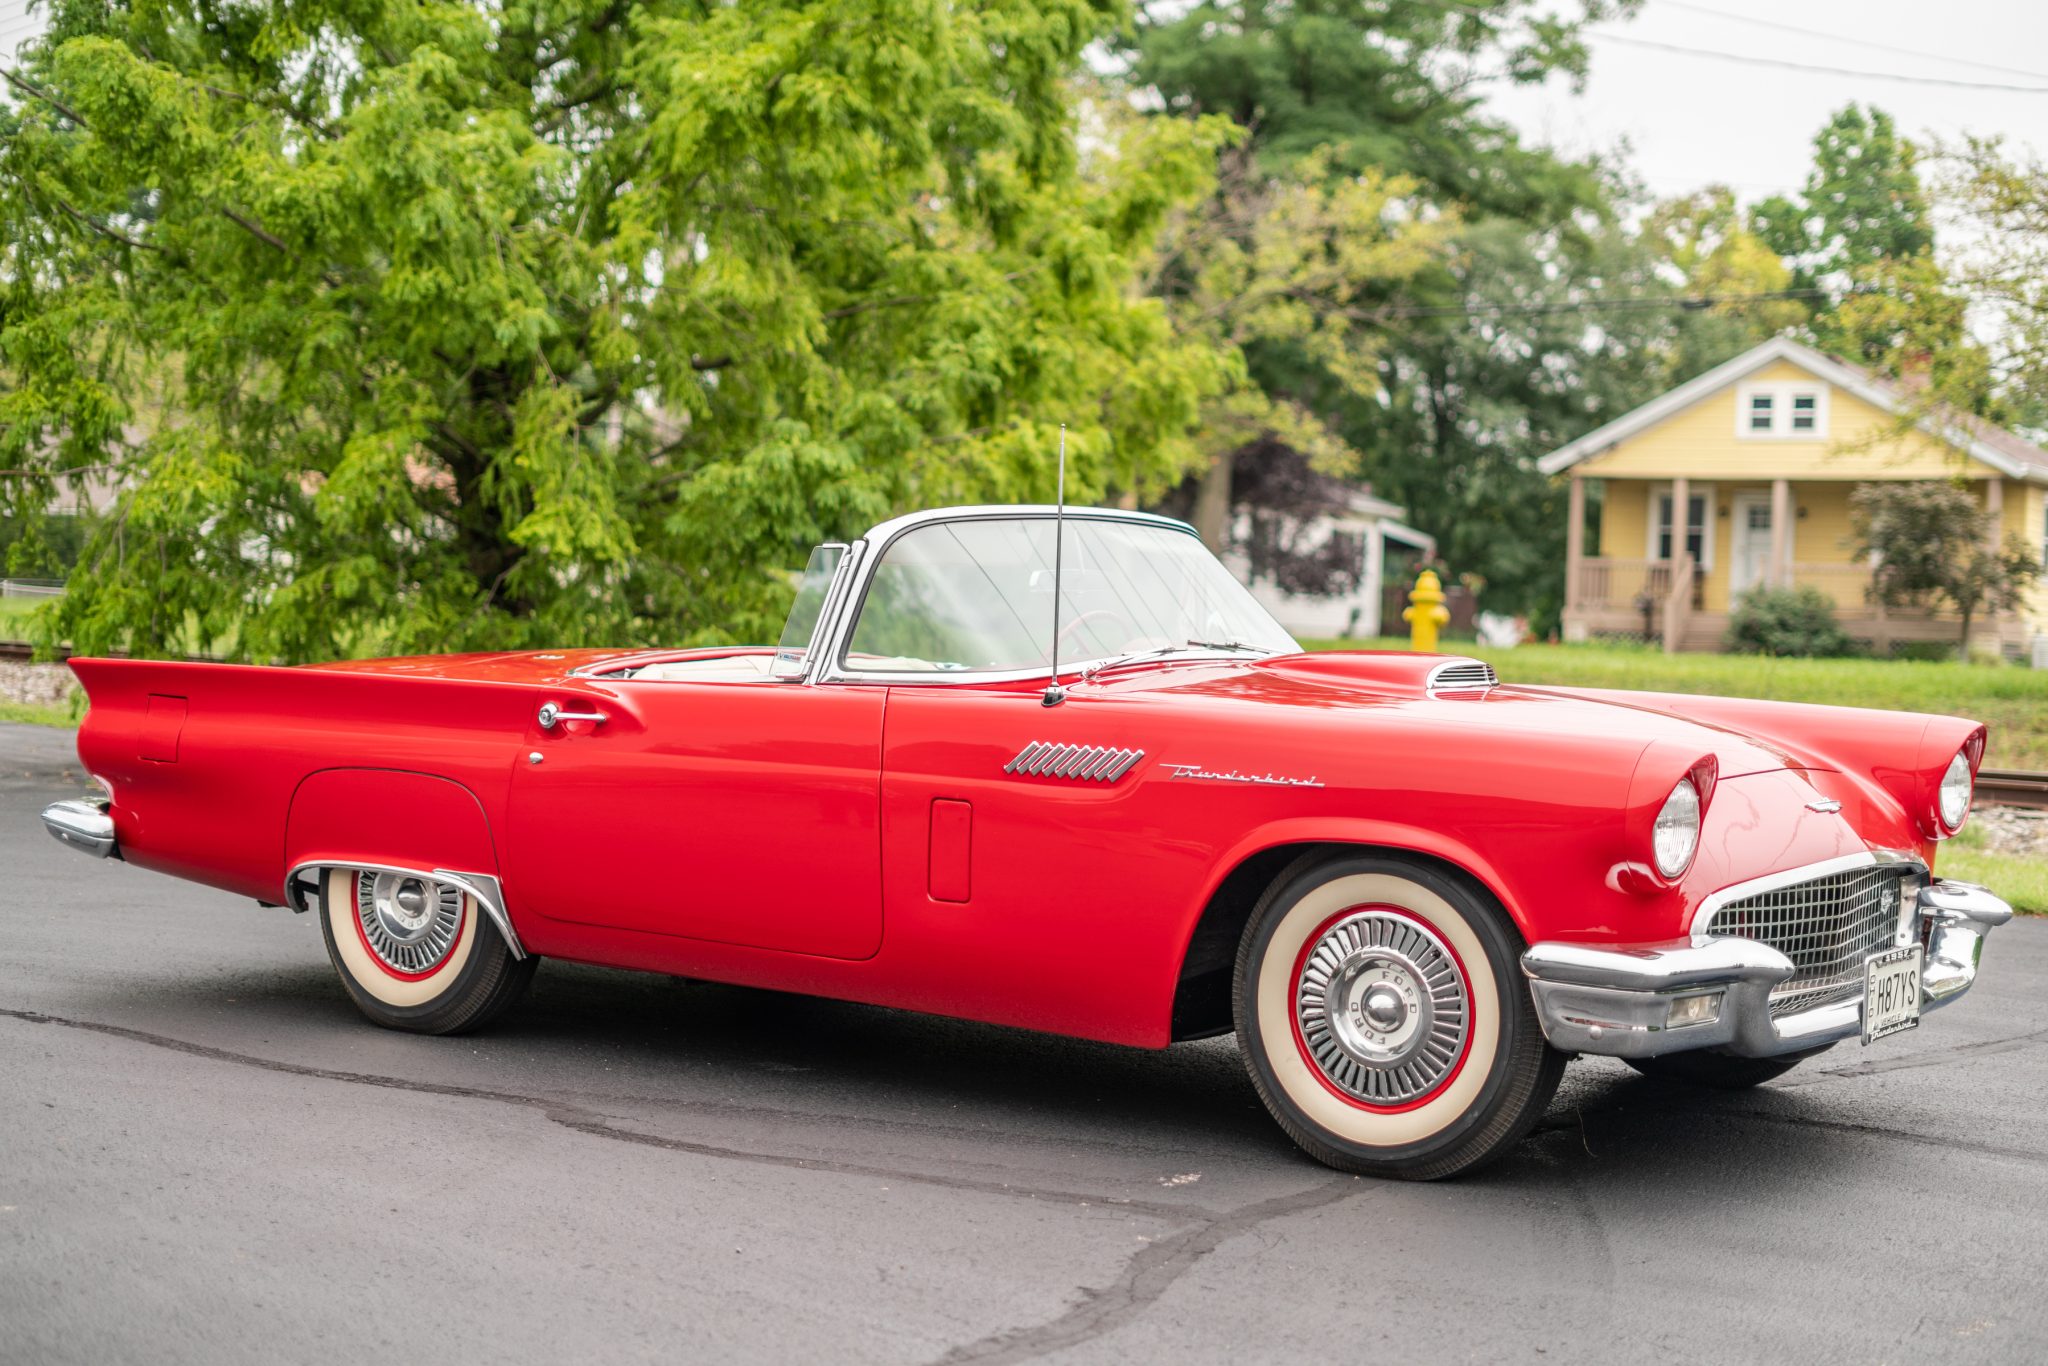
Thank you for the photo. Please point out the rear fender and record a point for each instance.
(392, 820)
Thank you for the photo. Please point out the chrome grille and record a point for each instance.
(1461, 677)
(1827, 926)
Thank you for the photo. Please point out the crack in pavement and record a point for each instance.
(1878, 1131)
(1572, 1123)
(1149, 1274)
(594, 1124)
(1933, 1057)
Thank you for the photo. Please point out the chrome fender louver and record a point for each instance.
(1082, 763)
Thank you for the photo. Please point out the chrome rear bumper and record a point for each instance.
(1618, 1000)
(83, 824)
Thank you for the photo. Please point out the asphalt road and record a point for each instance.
(206, 1156)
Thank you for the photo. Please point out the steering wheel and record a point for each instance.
(1099, 614)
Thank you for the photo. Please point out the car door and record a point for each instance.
(1034, 863)
(741, 813)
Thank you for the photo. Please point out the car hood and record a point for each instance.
(1344, 681)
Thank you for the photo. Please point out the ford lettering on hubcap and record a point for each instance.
(1382, 1008)
(409, 923)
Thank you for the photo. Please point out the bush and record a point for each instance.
(1786, 621)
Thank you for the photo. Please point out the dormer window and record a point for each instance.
(1797, 412)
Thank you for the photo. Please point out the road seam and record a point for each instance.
(594, 1124)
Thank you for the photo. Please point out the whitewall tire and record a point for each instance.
(415, 954)
(1384, 1018)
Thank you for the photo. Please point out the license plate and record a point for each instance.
(1891, 992)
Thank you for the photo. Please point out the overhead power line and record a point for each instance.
(1850, 40)
(1685, 303)
(1748, 59)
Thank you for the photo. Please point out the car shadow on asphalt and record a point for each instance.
(672, 1043)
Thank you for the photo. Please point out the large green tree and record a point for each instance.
(1374, 378)
(435, 325)
(1393, 86)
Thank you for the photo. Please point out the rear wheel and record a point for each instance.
(1385, 1020)
(1720, 1071)
(416, 954)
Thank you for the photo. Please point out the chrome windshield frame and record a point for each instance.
(827, 662)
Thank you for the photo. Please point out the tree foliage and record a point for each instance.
(445, 325)
(1387, 98)
(2000, 196)
(1931, 543)
(1391, 86)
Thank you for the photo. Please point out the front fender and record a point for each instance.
(1358, 831)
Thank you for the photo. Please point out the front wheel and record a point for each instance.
(1385, 1020)
(416, 954)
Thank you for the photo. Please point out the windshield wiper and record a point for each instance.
(1158, 652)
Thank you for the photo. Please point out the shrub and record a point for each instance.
(1786, 621)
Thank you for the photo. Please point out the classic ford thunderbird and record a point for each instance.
(1065, 773)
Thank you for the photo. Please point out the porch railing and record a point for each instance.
(1627, 585)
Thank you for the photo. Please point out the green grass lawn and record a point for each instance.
(2012, 701)
(21, 714)
(2021, 881)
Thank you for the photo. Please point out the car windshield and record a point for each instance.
(977, 595)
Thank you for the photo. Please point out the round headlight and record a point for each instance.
(1677, 832)
(1955, 793)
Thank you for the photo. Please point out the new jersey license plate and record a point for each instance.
(1891, 992)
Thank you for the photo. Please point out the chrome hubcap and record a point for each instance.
(1382, 1007)
(409, 922)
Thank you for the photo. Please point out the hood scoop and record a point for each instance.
(1397, 673)
(1461, 679)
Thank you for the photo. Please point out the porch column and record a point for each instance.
(1574, 542)
(1781, 534)
(1375, 579)
(1994, 536)
(1678, 605)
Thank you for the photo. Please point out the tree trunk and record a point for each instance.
(1212, 502)
(1963, 645)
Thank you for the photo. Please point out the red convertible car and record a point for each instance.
(1411, 890)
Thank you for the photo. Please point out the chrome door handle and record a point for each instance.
(550, 713)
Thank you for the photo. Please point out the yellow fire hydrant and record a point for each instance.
(1426, 613)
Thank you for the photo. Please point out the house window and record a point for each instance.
(1695, 531)
(1782, 411)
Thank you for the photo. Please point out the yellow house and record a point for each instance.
(1742, 478)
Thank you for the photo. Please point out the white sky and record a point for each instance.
(1689, 120)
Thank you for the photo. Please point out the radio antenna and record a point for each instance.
(1054, 693)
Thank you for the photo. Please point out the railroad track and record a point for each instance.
(2012, 787)
(1995, 786)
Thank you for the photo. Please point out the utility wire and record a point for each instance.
(1688, 303)
(1746, 59)
(1849, 40)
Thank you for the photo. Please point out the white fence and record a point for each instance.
(31, 588)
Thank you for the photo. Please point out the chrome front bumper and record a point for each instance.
(83, 824)
(1619, 1000)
